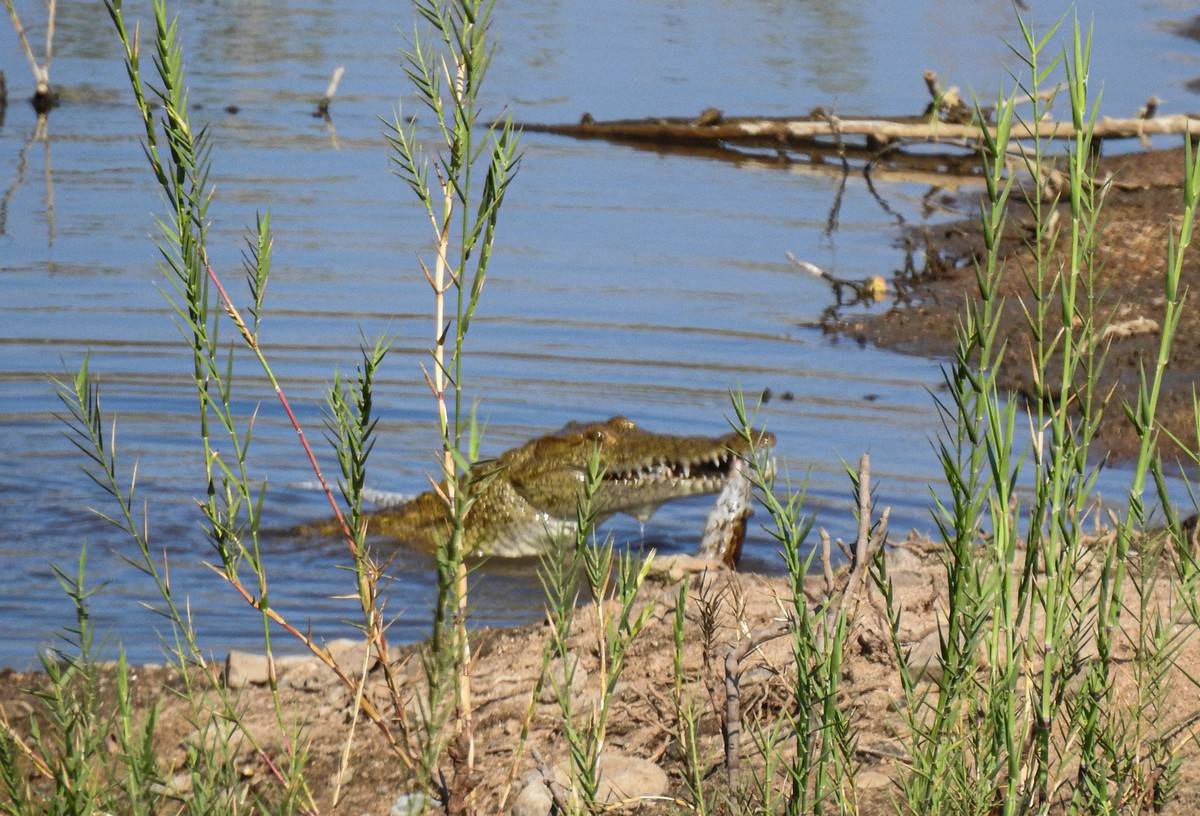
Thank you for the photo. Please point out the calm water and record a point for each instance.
(624, 281)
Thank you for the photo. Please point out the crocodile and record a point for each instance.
(529, 495)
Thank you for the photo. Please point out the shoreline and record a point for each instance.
(1143, 206)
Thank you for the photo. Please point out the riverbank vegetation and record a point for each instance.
(1037, 655)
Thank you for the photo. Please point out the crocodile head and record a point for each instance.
(642, 469)
(531, 493)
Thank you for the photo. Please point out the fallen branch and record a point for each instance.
(867, 290)
(797, 131)
(322, 110)
(44, 96)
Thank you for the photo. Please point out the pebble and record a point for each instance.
(411, 804)
(350, 653)
(871, 780)
(674, 568)
(923, 659)
(902, 559)
(245, 669)
(534, 799)
(218, 735)
(180, 785)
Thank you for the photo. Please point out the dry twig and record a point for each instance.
(322, 110)
(44, 97)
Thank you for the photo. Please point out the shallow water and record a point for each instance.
(625, 282)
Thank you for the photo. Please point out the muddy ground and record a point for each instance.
(645, 758)
(1144, 205)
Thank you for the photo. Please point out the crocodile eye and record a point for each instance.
(621, 423)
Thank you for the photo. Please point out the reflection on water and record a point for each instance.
(832, 53)
(625, 281)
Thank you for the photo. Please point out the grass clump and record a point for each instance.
(1024, 715)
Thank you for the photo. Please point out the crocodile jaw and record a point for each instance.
(642, 490)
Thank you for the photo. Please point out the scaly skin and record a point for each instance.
(533, 490)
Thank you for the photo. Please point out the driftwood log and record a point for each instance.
(879, 130)
(823, 139)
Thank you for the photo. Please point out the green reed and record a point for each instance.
(1022, 716)
(614, 580)
(446, 66)
(818, 764)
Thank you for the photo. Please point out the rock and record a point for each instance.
(624, 777)
(219, 735)
(411, 804)
(311, 675)
(350, 653)
(871, 780)
(907, 583)
(249, 669)
(902, 559)
(923, 659)
(555, 679)
(924, 662)
(533, 800)
(179, 786)
(674, 568)
(245, 669)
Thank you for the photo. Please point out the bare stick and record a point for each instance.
(40, 75)
(1145, 112)
(865, 290)
(733, 716)
(826, 565)
(330, 91)
(733, 695)
(864, 508)
(51, 14)
(863, 553)
(933, 85)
